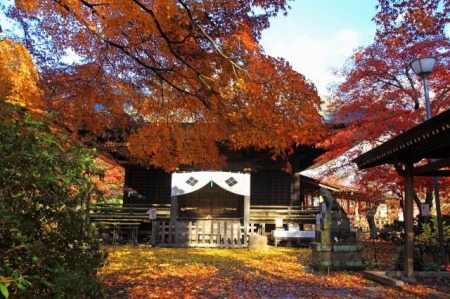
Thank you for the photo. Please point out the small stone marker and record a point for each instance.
(257, 242)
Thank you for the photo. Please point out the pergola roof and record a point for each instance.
(429, 140)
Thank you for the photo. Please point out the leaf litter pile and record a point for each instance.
(148, 272)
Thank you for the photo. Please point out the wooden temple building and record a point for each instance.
(251, 195)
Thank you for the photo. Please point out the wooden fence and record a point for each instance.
(131, 223)
(205, 233)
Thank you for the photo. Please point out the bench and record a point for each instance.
(289, 235)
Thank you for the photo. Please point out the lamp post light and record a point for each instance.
(423, 66)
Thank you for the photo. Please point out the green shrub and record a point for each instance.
(428, 238)
(431, 266)
(47, 248)
(394, 232)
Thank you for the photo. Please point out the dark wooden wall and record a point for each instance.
(151, 185)
(267, 187)
(270, 188)
(270, 185)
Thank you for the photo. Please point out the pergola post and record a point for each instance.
(409, 221)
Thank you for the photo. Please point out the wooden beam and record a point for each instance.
(433, 167)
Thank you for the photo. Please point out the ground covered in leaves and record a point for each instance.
(148, 272)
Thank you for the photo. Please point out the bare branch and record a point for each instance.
(211, 40)
(414, 96)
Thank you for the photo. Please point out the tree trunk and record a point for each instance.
(370, 212)
(428, 200)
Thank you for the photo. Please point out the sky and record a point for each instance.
(318, 35)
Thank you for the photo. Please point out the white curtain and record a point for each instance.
(187, 182)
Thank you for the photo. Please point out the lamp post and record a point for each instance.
(423, 66)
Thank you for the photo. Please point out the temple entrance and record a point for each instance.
(210, 195)
(211, 201)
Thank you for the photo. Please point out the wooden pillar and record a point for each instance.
(246, 210)
(173, 209)
(155, 232)
(409, 221)
(245, 234)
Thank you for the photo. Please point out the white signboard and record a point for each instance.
(278, 222)
(152, 214)
(383, 210)
(425, 209)
(187, 182)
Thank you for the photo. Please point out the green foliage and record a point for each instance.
(431, 266)
(428, 238)
(426, 244)
(47, 249)
(394, 232)
(429, 235)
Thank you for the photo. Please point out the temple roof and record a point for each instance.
(428, 140)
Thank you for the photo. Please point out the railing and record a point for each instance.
(268, 214)
(117, 213)
(111, 213)
(205, 233)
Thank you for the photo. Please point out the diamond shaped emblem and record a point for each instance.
(231, 182)
(192, 181)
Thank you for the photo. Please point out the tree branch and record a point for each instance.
(211, 40)
(414, 96)
(156, 70)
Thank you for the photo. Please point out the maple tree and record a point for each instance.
(19, 78)
(153, 67)
(380, 97)
(111, 182)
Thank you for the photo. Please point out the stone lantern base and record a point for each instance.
(336, 257)
(335, 246)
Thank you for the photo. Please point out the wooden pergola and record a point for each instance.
(423, 150)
